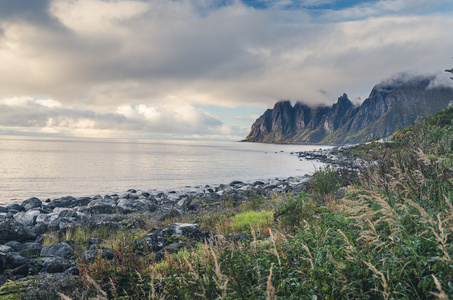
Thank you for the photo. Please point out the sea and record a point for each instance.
(50, 168)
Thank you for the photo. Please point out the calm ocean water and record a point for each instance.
(56, 167)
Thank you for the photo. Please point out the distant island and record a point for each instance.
(391, 105)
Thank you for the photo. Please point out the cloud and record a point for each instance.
(160, 59)
(441, 80)
(48, 115)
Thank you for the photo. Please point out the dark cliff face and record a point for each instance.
(390, 106)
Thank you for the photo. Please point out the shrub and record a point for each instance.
(325, 181)
(294, 210)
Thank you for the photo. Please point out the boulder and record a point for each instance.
(67, 213)
(56, 264)
(31, 250)
(40, 228)
(59, 249)
(236, 183)
(31, 203)
(68, 201)
(16, 246)
(5, 249)
(158, 239)
(82, 201)
(20, 271)
(11, 230)
(25, 218)
(136, 205)
(14, 208)
(101, 210)
(12, 260)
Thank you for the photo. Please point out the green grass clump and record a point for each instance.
(252, 220)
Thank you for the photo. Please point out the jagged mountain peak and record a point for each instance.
(392, 105)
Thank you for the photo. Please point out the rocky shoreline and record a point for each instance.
(24, 227)
(338, 156)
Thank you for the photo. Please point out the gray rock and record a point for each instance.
(11, 230)
(236, 183)
(5, 249)
(21, 271)
(59, 249)
(16, 246)
(157, 239)
(30, 250)
(67, 213)
(25, 218)
(102, 202)
(136, 205)
(12, 260)
(171, 249)
(14, 208)
(82, 201)
(68, 201)
(56, 265)
(40, 228)
(101, 210)
(3, 209)
(32, 203)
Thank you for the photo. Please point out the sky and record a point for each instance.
(202, 69)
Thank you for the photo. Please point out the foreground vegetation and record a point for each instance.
(386, 236)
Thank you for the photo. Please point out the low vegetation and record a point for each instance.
(386, 236)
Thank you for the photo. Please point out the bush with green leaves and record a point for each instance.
(294, 210)
(325, 181)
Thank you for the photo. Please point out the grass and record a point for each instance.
(249, 221)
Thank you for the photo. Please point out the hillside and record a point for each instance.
(391, 105)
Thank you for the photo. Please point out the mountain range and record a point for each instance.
(391, 105)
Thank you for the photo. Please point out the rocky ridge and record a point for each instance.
(391, 105)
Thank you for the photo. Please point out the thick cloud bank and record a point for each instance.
(148, 65)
